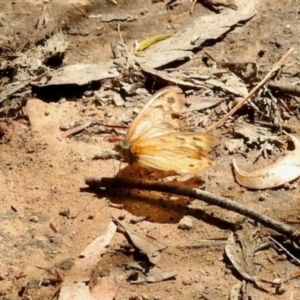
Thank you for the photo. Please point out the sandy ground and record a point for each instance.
(42, 173)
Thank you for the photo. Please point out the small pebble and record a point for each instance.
(46, 282)
(62, 100)
(34, 219)
(280, 289)
(188, 281)
(134, 296)
(52, 239)
(186, 223)
(145, 297)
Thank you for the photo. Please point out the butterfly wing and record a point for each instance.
(183, 152)
(156, 117)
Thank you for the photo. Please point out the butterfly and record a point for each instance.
(154, 139)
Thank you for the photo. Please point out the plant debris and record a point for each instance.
(285, 169)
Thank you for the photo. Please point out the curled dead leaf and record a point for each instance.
(284, 170)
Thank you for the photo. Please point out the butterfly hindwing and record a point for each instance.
(177, 151)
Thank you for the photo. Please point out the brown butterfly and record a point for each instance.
(154, 139)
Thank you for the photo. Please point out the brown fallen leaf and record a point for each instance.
(106, 288)
(284, 170)
(200, 103)
(240, 251)
(90, 256)
(76, 290)
(151, 248)
(157, 277)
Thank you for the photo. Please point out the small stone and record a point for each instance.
(88, 93)
(46, 282)
(134, 296)
(145, 297)
(118, 100)
(280, 289)
(54, 189)
(65, 213)
(64, 127)
(52, 239)
(34, 219)
(187, 281)
(186, 223)
(62, 100)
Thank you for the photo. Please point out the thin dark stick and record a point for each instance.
(204, 196)
(86, 125)
(285, 88)
(77, 129)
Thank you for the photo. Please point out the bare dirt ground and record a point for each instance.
(41, 174)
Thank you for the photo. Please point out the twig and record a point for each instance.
(285, 88)
(87, 124)
(285, 250)
(207, 197)
(125, 48)
(206, 244)
(254, 90)
(81, 11)
(270, 125)
(192, 7)
(77, 129)
(41, 19)
(113, 126)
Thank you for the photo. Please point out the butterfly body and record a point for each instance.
(154, 139)
(125, 152)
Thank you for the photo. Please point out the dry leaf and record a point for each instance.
(193, 36)
(150, 247)
(106, 288)
(231, 84)
(240, 251)
(200, 103)
(157, 277)
(235, 291)
(89, 258)
(74, 291)
(154, 141)
(284, 170)
(252, 133)
(165, 76)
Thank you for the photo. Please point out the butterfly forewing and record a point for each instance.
(197, 142)
(158, 115)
